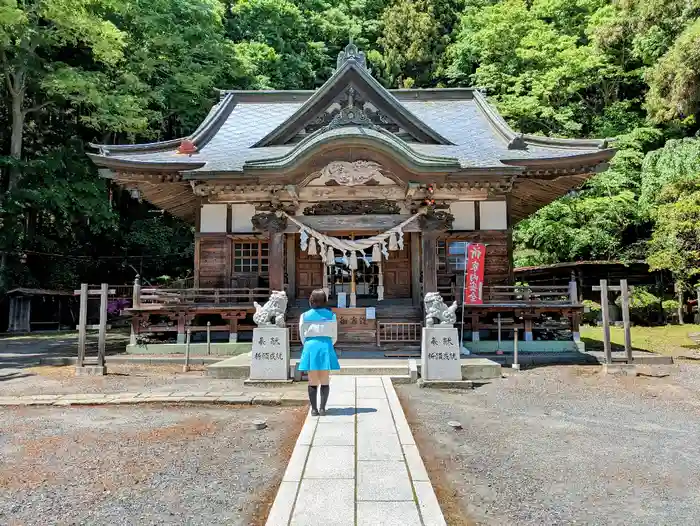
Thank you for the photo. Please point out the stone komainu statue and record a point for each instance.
(435, 308)
(273, 309)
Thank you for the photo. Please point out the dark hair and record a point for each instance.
(318, 299)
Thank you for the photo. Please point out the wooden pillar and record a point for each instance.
(626, 318)
(82, 324)
(102, 335)
(606, 319)
(429, 261)
(181, 322)
(11, 315)
(292, 266)
(135, 302)
(274, 225)
(432, 224)
(233, 330)
(679, 291)
(573, 292)
(276, 261)
(415, 269)
(576, 326)
(475, 327)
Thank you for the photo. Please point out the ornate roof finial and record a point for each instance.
(351, 53)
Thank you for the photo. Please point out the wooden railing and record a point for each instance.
(398, 332)
(530, 294)
(158, 296)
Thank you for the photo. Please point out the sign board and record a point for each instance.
(440, 354)
(269, 359)
(474, 282)
(342, 300)
(371, 313)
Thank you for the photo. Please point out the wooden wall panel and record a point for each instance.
(214, 262)
(498, 269)
(397, 271)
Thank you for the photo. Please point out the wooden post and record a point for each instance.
(136, 294)
(429, 263)
(576, 326)
(186, 367)
(135, 302)
(291, 267)
(475, 327)
(415, 269)
(679, 291)
(606, 319)
(102, 338)
(626, 318)
(208, 338)
(276, 261)
(697, 314)
(573, 292)
(181, 327)
(516, 362)
(233, 330)
(82, 324)
(499, 331)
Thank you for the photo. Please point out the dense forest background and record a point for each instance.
(80, 71)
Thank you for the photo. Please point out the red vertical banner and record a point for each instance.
(474, 282)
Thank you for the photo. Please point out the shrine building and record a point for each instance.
(367, 192)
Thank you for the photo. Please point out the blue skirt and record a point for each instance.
(318, 355)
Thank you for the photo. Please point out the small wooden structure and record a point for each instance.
(39, 309)
(82, 367)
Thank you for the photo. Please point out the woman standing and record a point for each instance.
(318, 330)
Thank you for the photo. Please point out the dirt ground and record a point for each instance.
(123, 379)
(142, 465)
(565, 445)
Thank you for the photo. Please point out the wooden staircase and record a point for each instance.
(398, 321)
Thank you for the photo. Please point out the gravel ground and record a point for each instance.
(126, 466)
(565, 445)
(121, 379)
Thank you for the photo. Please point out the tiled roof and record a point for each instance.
(240, 127)
(476, 142)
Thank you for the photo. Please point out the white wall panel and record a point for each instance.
(493, 215)
(463, 212)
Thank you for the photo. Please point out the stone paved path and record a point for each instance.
(358, 465)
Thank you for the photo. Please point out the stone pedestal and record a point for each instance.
(440, 358)
(269, 359)
(90, 370)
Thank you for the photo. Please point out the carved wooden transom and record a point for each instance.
(350, 108)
